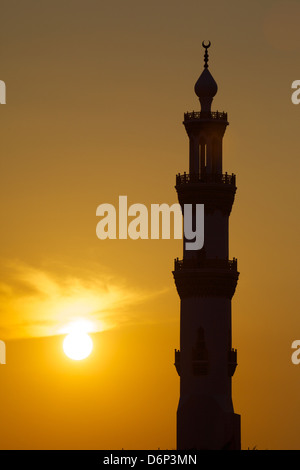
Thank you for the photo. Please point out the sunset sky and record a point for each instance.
(96, 93)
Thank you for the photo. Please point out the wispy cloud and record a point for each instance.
(38, 302)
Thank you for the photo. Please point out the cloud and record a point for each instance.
(42, 302)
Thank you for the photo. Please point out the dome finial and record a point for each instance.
(206, 53)
(206, 87)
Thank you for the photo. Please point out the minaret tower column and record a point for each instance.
(206, 280)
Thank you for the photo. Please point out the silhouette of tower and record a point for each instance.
(206, 280)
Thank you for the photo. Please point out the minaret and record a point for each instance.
(206, 280)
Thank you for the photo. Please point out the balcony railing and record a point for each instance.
(177, 361)
(232, 361)
(198, 115)
(232, 356)
(205, 178)
(203, 263)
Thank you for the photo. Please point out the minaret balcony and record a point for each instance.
(177, 361)
(215, 190)
(216, 178)
(200, 115)
(205, 277)
(232, 362)
(215, 264)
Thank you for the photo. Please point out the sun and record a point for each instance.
(77, 345)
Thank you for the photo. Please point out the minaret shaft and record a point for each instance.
(206, 280)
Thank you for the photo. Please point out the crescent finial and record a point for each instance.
(206, 53)
(206, 47)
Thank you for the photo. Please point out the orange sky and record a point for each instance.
(96, 93)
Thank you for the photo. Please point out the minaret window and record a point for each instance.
(200, 355)
(202, 159)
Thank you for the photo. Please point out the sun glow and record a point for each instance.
(78, 345)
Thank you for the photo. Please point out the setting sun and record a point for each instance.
(77, 345)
